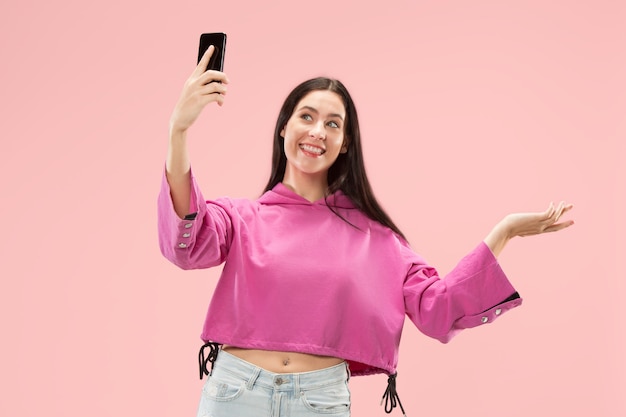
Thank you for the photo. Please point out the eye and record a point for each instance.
(333, 124)
(306, 116)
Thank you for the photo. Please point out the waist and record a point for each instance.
(252, 374)
(283, 362)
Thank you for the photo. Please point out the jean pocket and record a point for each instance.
(331, 399)
(218, 389)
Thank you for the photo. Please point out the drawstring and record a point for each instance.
(203, 361)
(391, 396)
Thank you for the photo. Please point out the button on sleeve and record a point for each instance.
(474, 293)
(199, 240)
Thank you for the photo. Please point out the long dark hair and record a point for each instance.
(348, 172)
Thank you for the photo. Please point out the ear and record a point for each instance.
(282, 133)
(344, 146)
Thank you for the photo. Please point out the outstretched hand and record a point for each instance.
(528, 224)
(199, 90)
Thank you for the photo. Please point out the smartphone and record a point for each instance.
(219, 41)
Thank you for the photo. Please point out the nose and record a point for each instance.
(318, 131)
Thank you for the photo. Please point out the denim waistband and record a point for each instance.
(301, 381)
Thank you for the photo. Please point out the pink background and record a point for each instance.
(469, 110)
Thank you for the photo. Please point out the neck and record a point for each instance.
(311, 187)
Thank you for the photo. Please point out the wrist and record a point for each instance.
(177, 133)
(499, 236)
(176, 128)
(177, 160)
(505, 229)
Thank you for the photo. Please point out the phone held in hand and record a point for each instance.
(218, 40)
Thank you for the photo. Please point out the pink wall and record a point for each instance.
(469, 110)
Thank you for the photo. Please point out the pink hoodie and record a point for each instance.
(298, 278)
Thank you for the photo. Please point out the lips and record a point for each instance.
(312, 149)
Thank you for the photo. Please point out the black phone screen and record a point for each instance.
(219, 41)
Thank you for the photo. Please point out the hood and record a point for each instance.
(281, 194)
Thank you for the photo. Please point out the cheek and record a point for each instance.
(339, 142)
(289, 146)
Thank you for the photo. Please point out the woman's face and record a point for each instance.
(314, 135)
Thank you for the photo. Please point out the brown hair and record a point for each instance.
(348, 172)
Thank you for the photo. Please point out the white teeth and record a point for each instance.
(312, 149)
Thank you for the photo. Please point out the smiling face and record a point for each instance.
(314, 137)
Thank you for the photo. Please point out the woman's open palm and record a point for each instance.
(528, 224)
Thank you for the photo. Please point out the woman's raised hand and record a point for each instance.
(527, 224)
(199, 90)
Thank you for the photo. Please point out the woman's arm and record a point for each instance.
(527, 224)
(178, 172)
(199, 90)
(476, 291)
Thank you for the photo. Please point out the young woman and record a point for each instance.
(317, 279)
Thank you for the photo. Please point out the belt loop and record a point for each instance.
(253, 378)
(348, 371)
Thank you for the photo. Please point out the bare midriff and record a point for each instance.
(283, 362)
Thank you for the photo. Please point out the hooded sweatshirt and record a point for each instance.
(299, 278)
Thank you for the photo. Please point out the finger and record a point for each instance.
(212, 88)
(563, 208)
(212, 75)
(212, 92)
(549, 216)
(218, 98)
(209, 98)
(558, 226)
(558, 210)
(544, 217)
(204, 61)
(568, 208)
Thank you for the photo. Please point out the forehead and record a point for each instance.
(324, 101)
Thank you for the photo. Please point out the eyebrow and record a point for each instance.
(313, 109)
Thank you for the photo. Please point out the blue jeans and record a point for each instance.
(237, 388)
